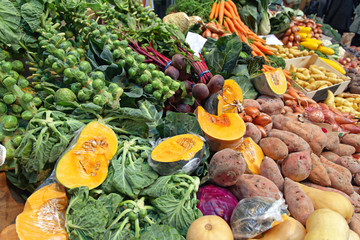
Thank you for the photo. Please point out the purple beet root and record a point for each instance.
(179, 61)
(172, 72)
(200, 91)
(216, 83)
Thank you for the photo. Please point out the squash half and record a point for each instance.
(181, 152)
(272, 83)
(225, 101)
(253, 155)
(224, 131)
(86, 163)
(44, 215)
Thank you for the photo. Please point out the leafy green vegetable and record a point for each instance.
(31, 12)
(88, 218)
(160, 232)
(174, 197)
(131, 173)
(276, 62)
(280, 22)
(9, 24)
(201, 8)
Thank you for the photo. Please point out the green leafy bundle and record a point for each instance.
(201, 8)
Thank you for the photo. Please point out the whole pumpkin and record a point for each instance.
(209, 227)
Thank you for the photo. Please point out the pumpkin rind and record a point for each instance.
(253, 155)
(272, 83)
(44, 215)
(224, 131)
(226, 100)
(86, 163)
(210, 227)
(181, 152)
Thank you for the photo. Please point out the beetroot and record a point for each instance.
(200, 91)
(215, 200)
(184, 108)
(172, 72)
(216, 83)
(179, 61)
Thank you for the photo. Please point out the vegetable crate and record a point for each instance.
(320, 94)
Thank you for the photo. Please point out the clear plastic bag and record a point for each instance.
(253, 216)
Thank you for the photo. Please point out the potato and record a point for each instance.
(299, 204)
(352, 140)
(270, 105)
(340, 177)
(318, 173)
(226, 166)
(250, 185)
(274, 148)
(292, 141)
(319, 139)
(330, 156)
(344, 150)
(333, 140)
(355, 223)
(253, 132)
(350, 163)
(297, 166)
(270, 170)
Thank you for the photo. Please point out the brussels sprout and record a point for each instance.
(14, 74)
(117, 53)
(69, 73)
(60, 53)
(167, 80)
(81, 52)
(129, 60)
(17, 66)
(9, 81)
(156, 84)
(157, 94)
(85, 66)
(148, 88)
(3, 108)
(84, 95)
(98, 84)
(151, 67)
(64, 95)
(27, 115)
(23, 83)
(37, 101)
(124, 44)
(16, 141)
(57, 67)
(27, 97)
(76, 87)
(132, 72)
(174, 85)
(9, 123)
(9, 98)
(6, 67)
(99, 100)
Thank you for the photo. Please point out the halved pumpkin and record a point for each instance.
(86, 164)
(44, 215)
(224, 131)
(253, 155)
(225, 101)
(181, 152)
(271, 83)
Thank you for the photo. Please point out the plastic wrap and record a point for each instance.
(184, 157)
(253, 216)
(44, 214)
(215, 200)
(2, 154)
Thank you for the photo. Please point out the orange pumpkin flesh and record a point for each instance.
(272, 83)
(224, 131)
(230, 96)
(210, 227)
(44, 215)
(86, 164)
(253, 155)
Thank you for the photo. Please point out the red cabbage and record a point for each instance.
(215, 200)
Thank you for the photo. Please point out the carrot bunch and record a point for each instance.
(225, 11)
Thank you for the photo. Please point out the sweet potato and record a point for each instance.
(274, 148)
(251, 103)
(333, 140)
(268, 127)
(299, 204)
(270, 105)
(319, 139)
(350, 163)
(270, 170)
(297, 166)
(356, 201)
(356, 189)
(292, 141)
(330, 156)
(250, 185)
(300, 129)
(288, 109)
(226, 166)
(329, 189)
(340, 177)
(278, 120)
(355, 223)
(344, 150)
(352, 140)
(318, 173)
(253, 132)
(357, 179)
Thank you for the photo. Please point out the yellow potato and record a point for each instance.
(290, 55)
(301, 76)
(315, 85)
(316, 71)
(282, 55)
(323, 86)
(330, 74)
(301, 70)
(333, 80)
(302, 83)
(318, 77)
(311, 80)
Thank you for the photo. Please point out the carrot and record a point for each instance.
(226, 25)
(227, 13)
(217, 10)
(221, 11)
(287, 96)
(242, 37)
(263, 48)
(291, 91)
(239, 27)
(230, 9)
(231, 25)
(213, 10)
(233, 5)
(257, 51)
